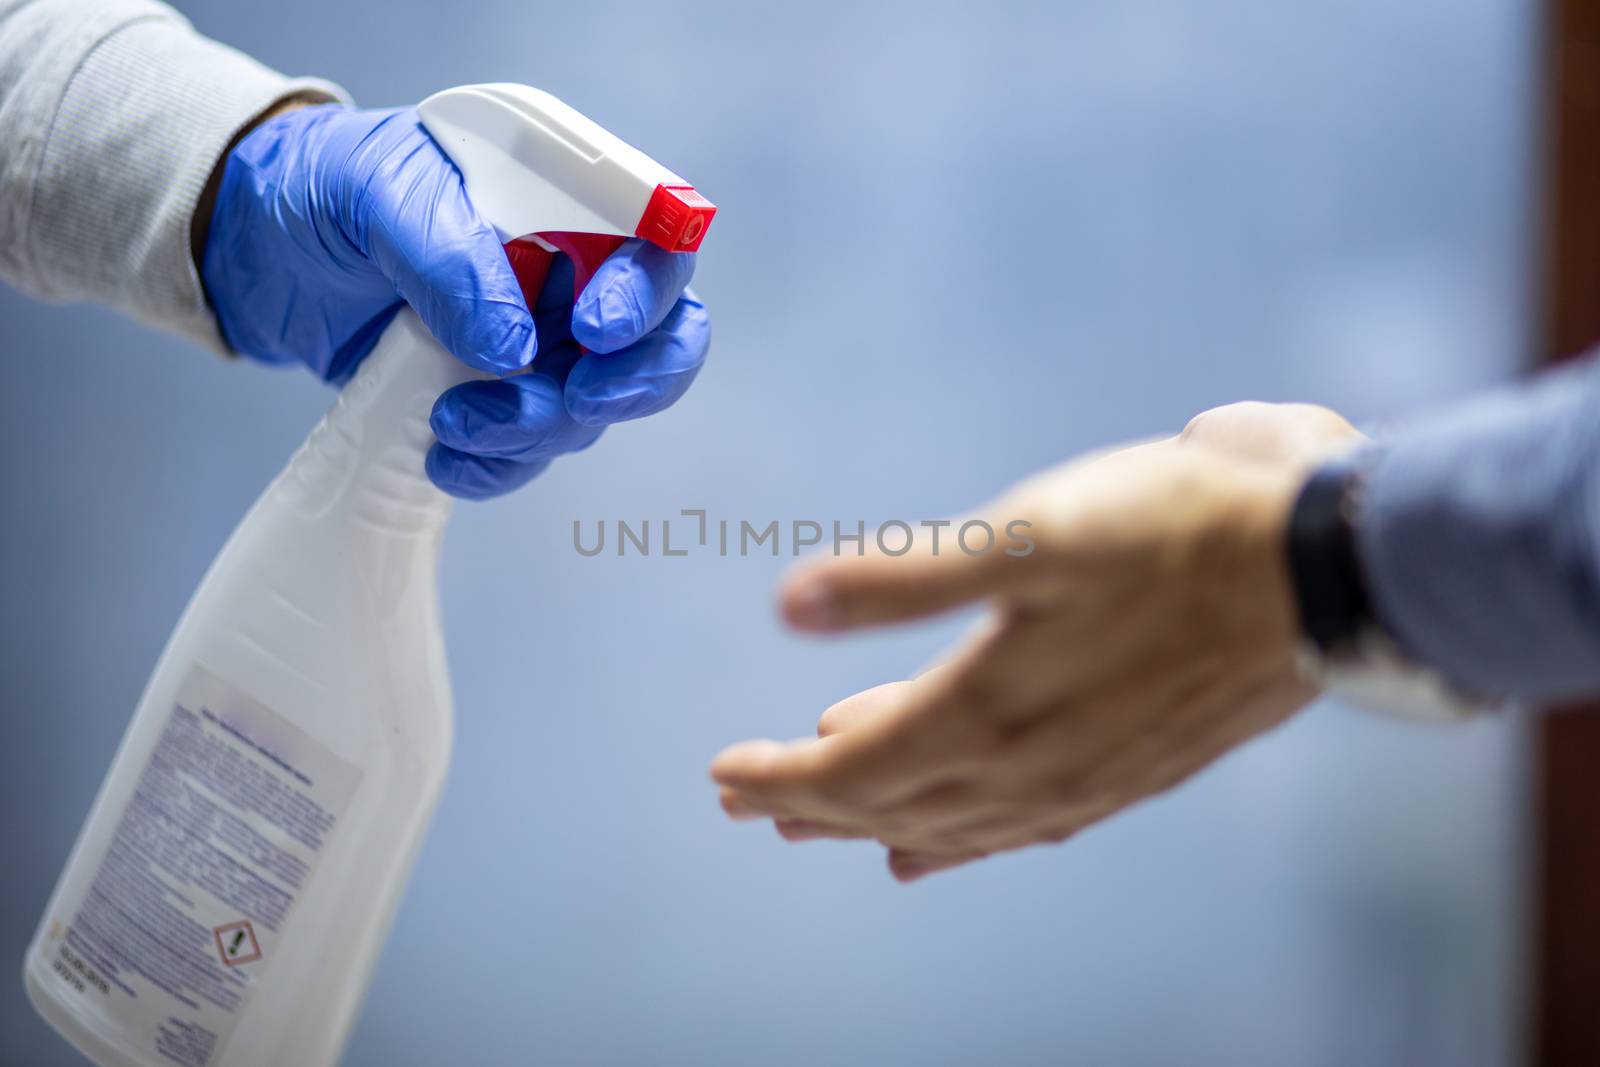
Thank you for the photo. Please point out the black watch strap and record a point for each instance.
(1323, 562)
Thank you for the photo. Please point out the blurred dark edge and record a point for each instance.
(1567, 1020)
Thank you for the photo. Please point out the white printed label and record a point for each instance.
(219, 837)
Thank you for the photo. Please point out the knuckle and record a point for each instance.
(1197, 428)
(830, 721)
(1208, 422)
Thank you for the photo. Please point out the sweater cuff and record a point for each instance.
(150, 110)
(1477, 536)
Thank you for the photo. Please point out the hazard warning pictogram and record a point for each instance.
(236, 943)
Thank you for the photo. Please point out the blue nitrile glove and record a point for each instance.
(327, 218)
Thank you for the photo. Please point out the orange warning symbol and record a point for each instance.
(236, 943)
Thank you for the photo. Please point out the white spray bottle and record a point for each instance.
(233, 884)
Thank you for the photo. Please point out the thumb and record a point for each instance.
(448, 264)
(886, 585)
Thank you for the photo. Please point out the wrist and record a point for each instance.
(1273, 505)
(1255, 587)
(206, 205)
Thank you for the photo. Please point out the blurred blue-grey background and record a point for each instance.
(957, 242)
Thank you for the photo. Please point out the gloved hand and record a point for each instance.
(327, 219)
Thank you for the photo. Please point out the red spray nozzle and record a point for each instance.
(676, 218)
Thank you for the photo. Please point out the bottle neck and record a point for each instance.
(367, 454)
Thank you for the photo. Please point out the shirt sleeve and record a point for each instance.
(113, 114)
(1479, 538)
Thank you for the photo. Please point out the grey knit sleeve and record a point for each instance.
(113, 114)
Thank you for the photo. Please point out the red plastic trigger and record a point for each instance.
(531, 263)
